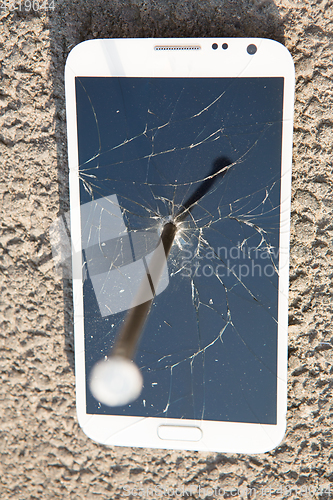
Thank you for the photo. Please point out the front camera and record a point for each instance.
(214, 46)
(224, 46)
(251, 49)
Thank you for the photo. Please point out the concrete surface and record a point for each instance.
(44, 454)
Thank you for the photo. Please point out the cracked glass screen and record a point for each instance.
(146, 145)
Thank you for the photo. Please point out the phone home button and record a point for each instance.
(179, 432)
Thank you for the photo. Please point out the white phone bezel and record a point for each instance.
(139, 58)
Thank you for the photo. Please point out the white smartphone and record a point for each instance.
(196, 133)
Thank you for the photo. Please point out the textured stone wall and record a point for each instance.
(44, 453)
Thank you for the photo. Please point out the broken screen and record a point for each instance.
(209, 345)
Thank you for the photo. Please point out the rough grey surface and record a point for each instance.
(44, 454)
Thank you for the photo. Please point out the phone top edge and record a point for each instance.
(139, 57)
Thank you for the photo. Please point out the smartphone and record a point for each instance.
(156, 128)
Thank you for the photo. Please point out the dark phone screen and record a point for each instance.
(209, 346)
